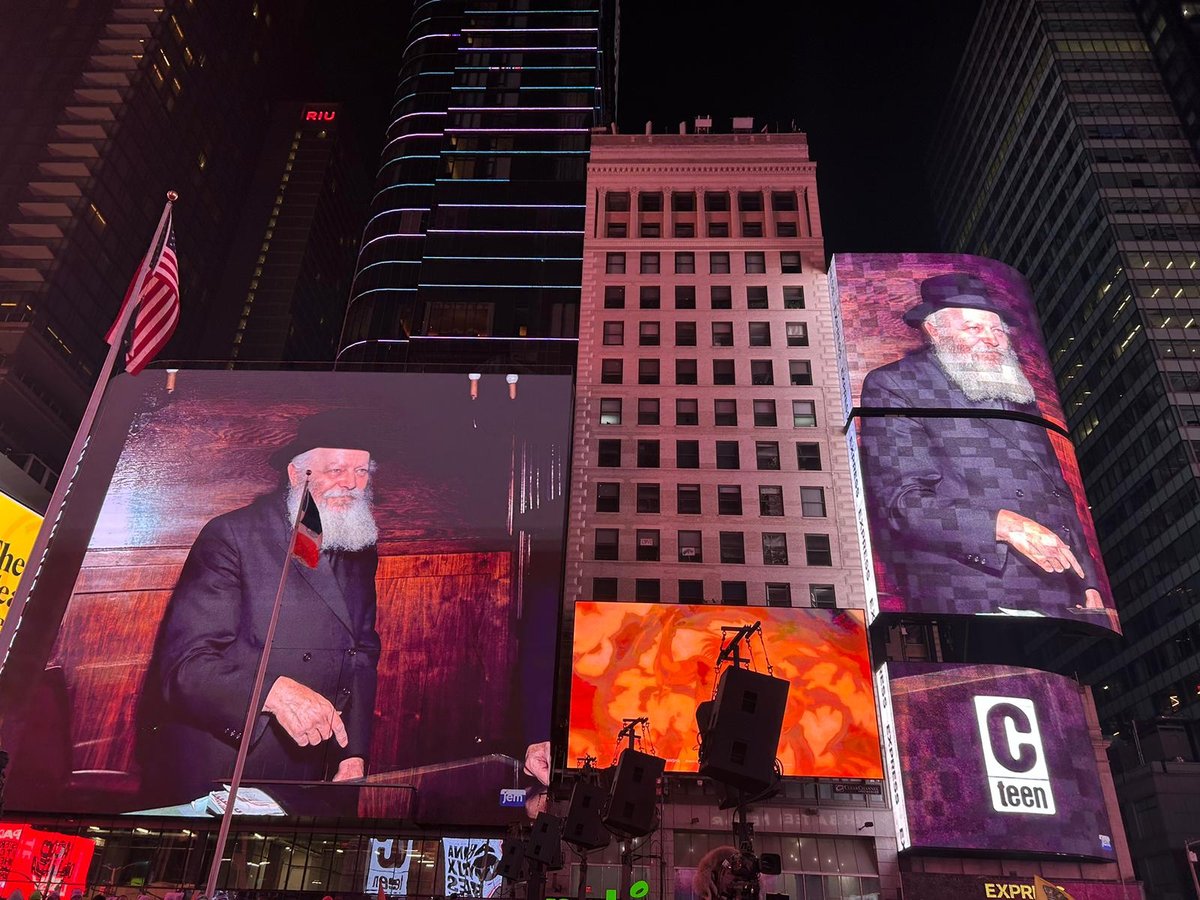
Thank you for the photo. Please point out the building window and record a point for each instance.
(800, 371)
(650, 229)
(733, 593)
(685, 334)
(752, 229)
(608, 455)
(604, 589)
(685, 263)
(647, 454)
(721, 296)
(685, 371)
(716, 201)
(817, 551)
(687, 499)
(616, 201)
(650, 201)
(722, 334)
(647, 498)
(685, 229)
(648, 371)
(762, 371)
(687, 412)
(812, 502)
(718, 263)
(690, 549)
(764, 414)
(785, 229)
(611, 371)
(685, 296)
(647, 545)
(649, 334)
(614, 334)
(683, 201)
(691, 590)
(614, 296)
(727, 455)
(760, 334)
(770, 500)
(646, 590)
(808, 457)
(789, 262)
(779, 593)
(687, 454)
(608, 496)
(756, 297)
(718, 229)
(774, 547)
(804, 414)
(610, 411)
(616, 230)
(793, 297)
(614, 263)
(733, 547)
(783, 201)
(649, 296)
(822, 596)
(729, 500)
(725, 412)
(756, 263)
(648, 264)
(750, 201)
(797, 334)
(723, 371)
(606, 543)
(647, 408)
(766, 453)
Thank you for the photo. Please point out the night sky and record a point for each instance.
(865, 80)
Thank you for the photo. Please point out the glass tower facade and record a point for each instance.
(476, 225)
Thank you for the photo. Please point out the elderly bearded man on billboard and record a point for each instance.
(969, 509)
(320, 686)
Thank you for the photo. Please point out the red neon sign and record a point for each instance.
(320, 115)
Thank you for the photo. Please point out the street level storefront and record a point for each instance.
(929, 886)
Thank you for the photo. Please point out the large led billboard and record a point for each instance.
(412, 668)
(992, 758)
(659, 660)
(965, 476)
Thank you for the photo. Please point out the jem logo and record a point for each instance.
(1013, 756)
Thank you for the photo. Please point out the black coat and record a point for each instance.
(199, 683)
(935, 485)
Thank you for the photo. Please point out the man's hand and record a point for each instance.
(537, 761)
(350, 767)
(305, 715)
(1036, 542)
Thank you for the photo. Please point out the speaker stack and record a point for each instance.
(582, 827)
(739, 739)
(632, 803)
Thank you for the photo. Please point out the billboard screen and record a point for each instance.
(994, 758)
(969, 482)
(33, 860)
(18, 530)
(658, 660)
(412, 668)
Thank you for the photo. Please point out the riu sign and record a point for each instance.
(320, 115)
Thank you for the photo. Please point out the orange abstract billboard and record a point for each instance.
(659, 661)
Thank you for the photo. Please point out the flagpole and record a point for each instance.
(58, 498)
(254, 708)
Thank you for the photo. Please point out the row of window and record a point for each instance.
(729, 499)
(754, 263)
(751, 228)
(758, 334)
(731, 547)
(725, 413)
(733, 593)
(762, 371)
(714, 201)
(727, 455)
(720, 296)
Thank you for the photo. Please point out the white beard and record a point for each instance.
(986, 380)
(348, 528)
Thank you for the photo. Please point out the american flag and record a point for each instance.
(158, 307)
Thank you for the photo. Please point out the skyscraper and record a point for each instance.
(1061, 153)
(476, 224)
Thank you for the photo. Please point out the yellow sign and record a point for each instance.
(18, 530)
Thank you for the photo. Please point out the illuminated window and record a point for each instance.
(610, 411)
(797, 334)
(804, 414)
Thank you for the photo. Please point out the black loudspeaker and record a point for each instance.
(632, 802)
(512, 859)
(738, 747)
(583, 828)
(545, 841)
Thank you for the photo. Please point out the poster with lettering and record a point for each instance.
(43, 860)
(469, 867)
(18, 530)
(994, 758)
(388, 863)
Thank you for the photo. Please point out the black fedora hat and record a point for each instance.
(956, 290)
(345, 429)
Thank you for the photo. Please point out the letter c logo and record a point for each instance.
(997, 718)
